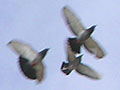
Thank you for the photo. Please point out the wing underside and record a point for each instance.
(93, 47)
(27, 69)
(73, 22)
(87, 71)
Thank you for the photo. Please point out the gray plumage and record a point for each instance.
(78, 29)
(74, 63)
(30, 61)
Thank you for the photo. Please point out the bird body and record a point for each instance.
(74, 63)
(82, 35)
(30, 61)
(68, 67)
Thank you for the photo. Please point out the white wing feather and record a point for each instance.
(87, 71)
(23, 49)
(72, 21)
(77, 28)
(93, 47)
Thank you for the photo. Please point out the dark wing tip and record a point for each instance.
(9, 42)
(65, 7)
(74, 45)
(65, 69)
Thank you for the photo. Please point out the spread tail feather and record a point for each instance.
(65, 68)
(75, 46)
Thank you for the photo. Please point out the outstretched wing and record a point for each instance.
(76, 27)
(23, 49)
(87, 71)
(27, 68)
(72, 21)
(70, 53)
(93, 47)
(75, 46)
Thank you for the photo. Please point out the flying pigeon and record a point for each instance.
(30, 61)
(77, 42)
(77, 28)
(74, 63)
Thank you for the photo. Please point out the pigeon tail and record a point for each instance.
(74, 44)
(65, 68)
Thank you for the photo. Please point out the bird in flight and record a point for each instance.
(74, 63)
(30, 61)
(83, 36)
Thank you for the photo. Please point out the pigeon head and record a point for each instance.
(79, 58)
(88, 33)
(92, 28)
(43, 52)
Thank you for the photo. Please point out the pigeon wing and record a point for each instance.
(72, 21)
(87, 71)
(23, 49)
(93, 47)
(77, 27)
(70, 53)
(27, 69)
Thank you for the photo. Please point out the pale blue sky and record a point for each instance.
(41, 24)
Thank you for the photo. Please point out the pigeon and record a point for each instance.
(83, 36)
(74, 63)
(30, 61)
(76, 43)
